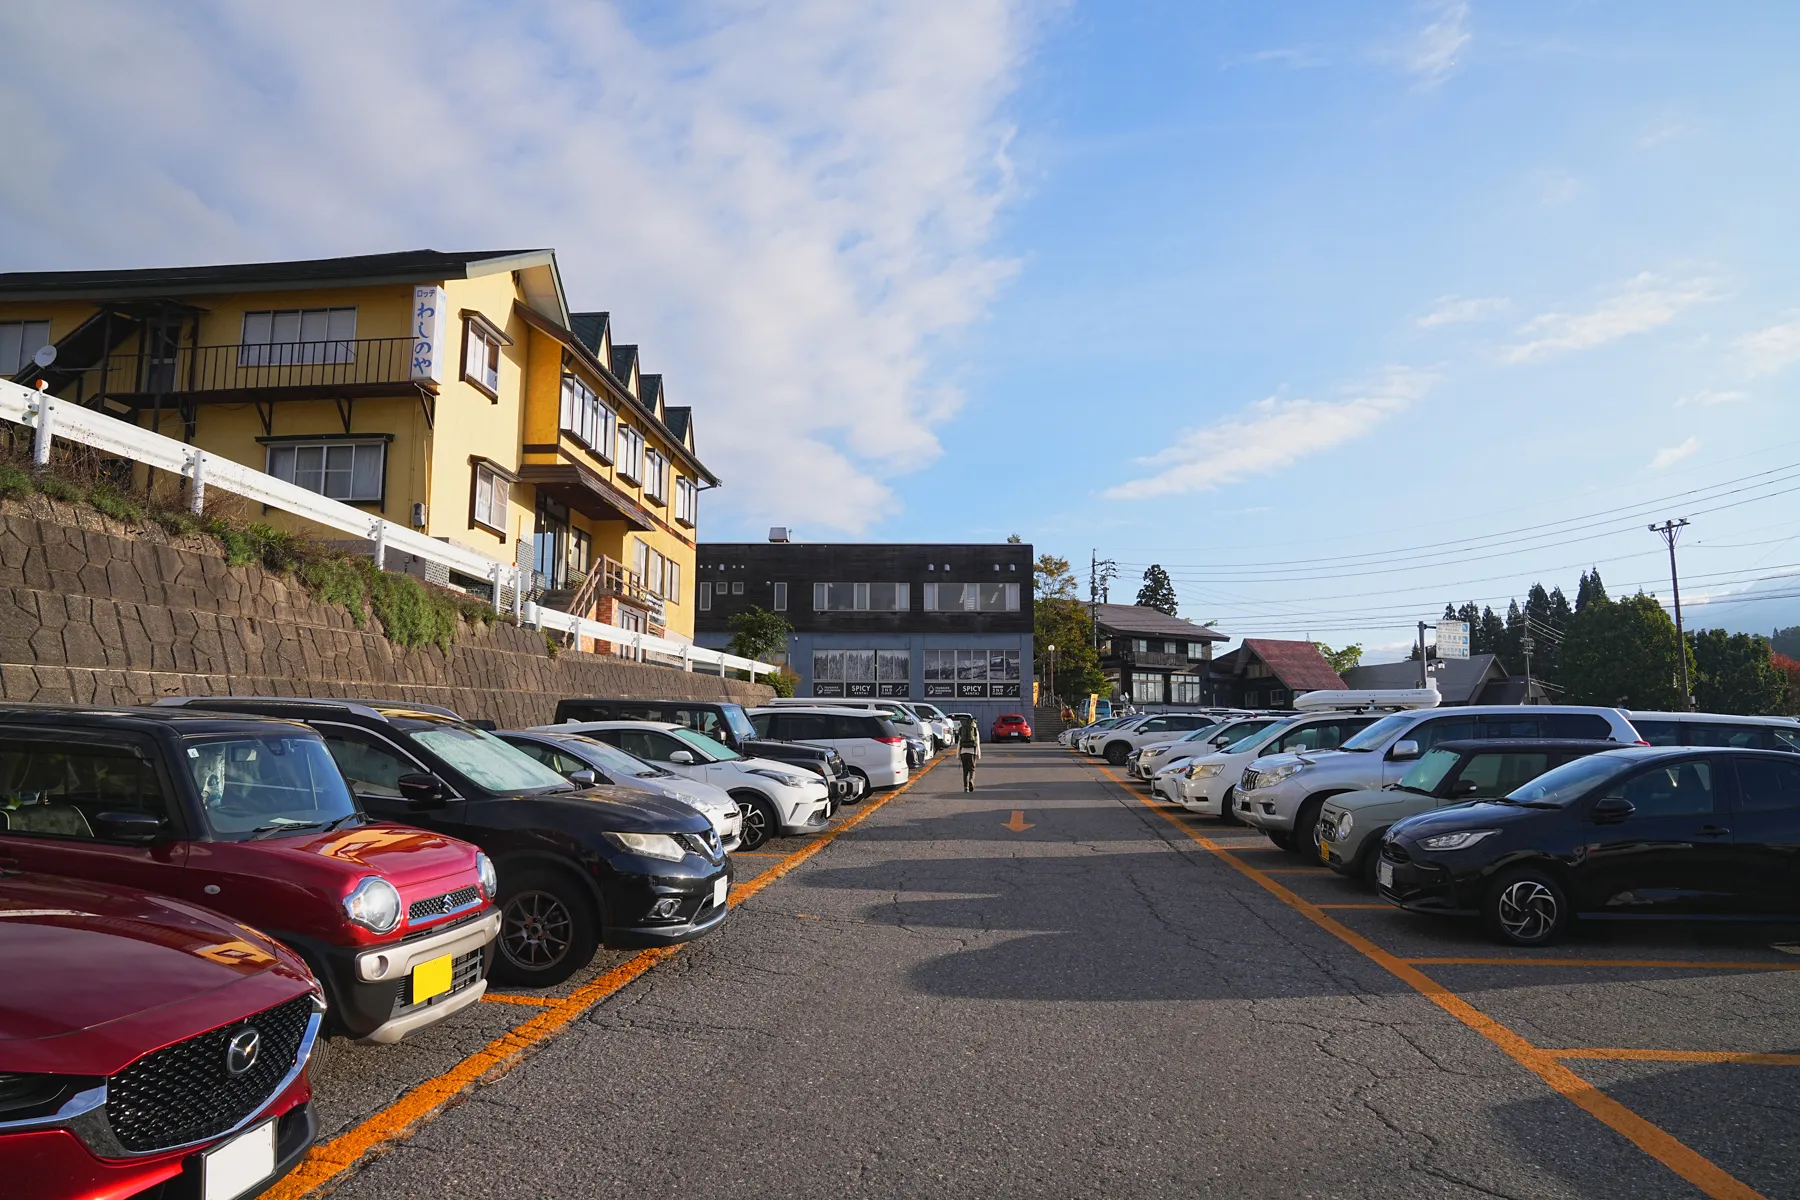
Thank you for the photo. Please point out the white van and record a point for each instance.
(1716, 729)
(869, 741)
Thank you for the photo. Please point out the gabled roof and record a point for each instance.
(680, 422)
(651, 393)
(1298, 665)
(624, 359)
(590, 329)
(1459, 680)
(1135, 618)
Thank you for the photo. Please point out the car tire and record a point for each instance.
(761, 821)
(1117, 753)
(1305, 839)
(1525, 907)
(1371, 860)
(1228, 808)
(549, 927)
(1281, 839)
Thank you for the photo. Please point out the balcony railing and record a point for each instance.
(333, 367)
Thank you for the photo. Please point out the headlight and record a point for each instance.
(490, 881)
(374, 904)
(1207, 770)
(1344, 825)
(650, 845)
(1279, 772)
(1462, 839)
(781, 777)
(687, 798)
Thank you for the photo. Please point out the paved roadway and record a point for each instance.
(1089, 1000)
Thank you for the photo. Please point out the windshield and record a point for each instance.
(615, 761)
(896, 714)
(707, 749)
(1429, 771)
(487, 761)
(1372, 737)
(268, 783)
(1569, 781)
(930, 712)
(1204, 732)
(1241, 734)
(737, 722)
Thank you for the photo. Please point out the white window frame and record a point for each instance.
(781, 597)
(482, 371)
(630, 462)
(587, 418)
(306, 336)
(673, 595)
(656, 476)
(273, 464)
(967, 592)
(19, 340)
(687, 501)
(704, 603)
(499, 505)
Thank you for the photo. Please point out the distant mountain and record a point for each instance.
(1770, 605)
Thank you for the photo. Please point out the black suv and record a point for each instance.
(578, 867)
(722, 720)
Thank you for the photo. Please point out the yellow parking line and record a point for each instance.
(1680, 964)
(532, 1001)
(402, 1118)
(1661, 1145)
(1684, 1056)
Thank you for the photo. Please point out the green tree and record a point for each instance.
(1735, 673)
(1158, 592)
(1589, 590)
(1786, 641)
(1062, 621)
(1052, 578)
(1621, 653)
(1013, 539)
(1342, 660)
(758, 633)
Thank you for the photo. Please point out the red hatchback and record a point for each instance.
(252, 818)
(146, 1042)
(1011, 725)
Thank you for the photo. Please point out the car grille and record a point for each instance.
(184, 1093)
(463, 972)
(432, 908)
(1250, 779)
(704, 844)
(1394, 852)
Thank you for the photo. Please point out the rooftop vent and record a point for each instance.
(779, 533)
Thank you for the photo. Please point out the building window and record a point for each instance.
(655, 572)
(673, 594)
(971, 597)
(640, 558)
(737, 587)
(286, 336)
(630, 462)
(687, 501)
(492, 491)
(19, 340)
(656, 477)
(589, 418)
(781, 597)
(1278, 698)
(1256, 670)
(341, 470)
(862, 673)
(481, 354)
(704, 604)
(1185, 689)
(862, 597)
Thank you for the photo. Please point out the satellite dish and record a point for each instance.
(45, 355)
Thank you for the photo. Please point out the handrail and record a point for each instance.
(50, 418)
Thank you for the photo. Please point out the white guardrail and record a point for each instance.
(49, 419)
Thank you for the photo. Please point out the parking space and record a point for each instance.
(1683, 1038)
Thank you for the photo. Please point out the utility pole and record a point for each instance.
(1669, 531)
(1101, 573)
(1424, 679)
(1527, 645)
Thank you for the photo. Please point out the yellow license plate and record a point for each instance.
(431, 979)
(1324, 851)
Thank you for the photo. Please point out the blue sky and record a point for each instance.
(1338, 311)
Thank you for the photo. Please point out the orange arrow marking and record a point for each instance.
(1018, 823)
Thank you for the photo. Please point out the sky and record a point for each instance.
(1339, 312)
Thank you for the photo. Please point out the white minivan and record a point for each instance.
(872, 747)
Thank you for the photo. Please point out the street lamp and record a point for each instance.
(1052, 649)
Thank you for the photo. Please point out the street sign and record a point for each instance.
(1453, 639)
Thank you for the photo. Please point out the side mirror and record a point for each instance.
(682, 757)
(1465, 787)
(1610, 810)
(135, 827)
(583, 778)
(1404, 749)
(421, 789)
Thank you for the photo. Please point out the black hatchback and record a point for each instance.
(1633, 833)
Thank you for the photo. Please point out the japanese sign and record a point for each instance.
(1453, 639)
(429, 342)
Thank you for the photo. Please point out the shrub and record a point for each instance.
(409, 614)
(337, 581)
(58, 488)
(15, 482)
(108, 499)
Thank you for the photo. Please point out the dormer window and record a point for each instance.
(482, 340)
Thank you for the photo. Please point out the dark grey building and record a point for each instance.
(947, 623)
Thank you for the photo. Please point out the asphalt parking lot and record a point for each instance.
(1051, 987)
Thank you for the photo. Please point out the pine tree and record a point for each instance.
(1158, 592)
(1590, 589)
(1512, 655)
(1492, 638)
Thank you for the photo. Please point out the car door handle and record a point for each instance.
(1714, 831)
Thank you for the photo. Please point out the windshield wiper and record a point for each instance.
(334, 823)
(1402, 787)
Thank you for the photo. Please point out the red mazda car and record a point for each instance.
(144, 1042)
(1011, 725)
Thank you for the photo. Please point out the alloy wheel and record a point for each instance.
(1527, 910)
(756, 825)
(536, 930)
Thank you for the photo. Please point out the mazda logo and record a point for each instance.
(241, 1051)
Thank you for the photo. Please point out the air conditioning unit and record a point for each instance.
(418, 514)
(778, 533)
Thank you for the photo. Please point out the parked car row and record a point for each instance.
(192, 893)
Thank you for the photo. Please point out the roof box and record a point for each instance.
(1373, 698)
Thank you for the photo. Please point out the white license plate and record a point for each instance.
(1384, 874)
(720, 887)
(239, 1165)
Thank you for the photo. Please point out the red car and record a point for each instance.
(143, 1042)
(1011, 725)
(252, 818)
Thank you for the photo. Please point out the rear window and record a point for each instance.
(1578, 726)
(1659, 733)
(1722, 733)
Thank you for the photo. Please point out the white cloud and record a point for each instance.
(1457, 310)
(1668, 456)
(1268, 436)
(1769, 350)
(1711, 399)
(788, 206)
(1433, 52)
(1642, 304)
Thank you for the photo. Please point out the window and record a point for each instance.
(687, 501)
(1722, 733)
(372, 766)
(863, 673)
(737, 587)
(1430, 733)
(1278, 697)
(56, 789)
(341, 470)
(861, 597)
(672, 583)
(287, 336)
(1680, 790)
(704, 603)
(971, 597)
(589, 418)
(640, 559)
(581, 552)
(1141, 646)
(19, 340)
(1658, 733)
(781, 597)
(1185, 689)
(1196, 649)
(481, 355)
(656, 573)
(656, 476)
(630, 462)
(1765, 785)
(491, 493)
(1578, 725)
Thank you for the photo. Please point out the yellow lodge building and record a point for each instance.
(455, 393)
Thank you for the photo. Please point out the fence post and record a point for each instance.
(40, 438)
(197, 473)
(494, 577)
(637, 647)
(721, 664)
(518, 592)
(378, 532)
(528, 616)
(687, 658)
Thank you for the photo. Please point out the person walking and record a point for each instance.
(968, 748)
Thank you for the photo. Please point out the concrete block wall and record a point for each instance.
(95, 611)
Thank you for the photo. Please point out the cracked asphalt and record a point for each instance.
(1096, 1005)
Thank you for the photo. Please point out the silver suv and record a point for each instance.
(1282, 794)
